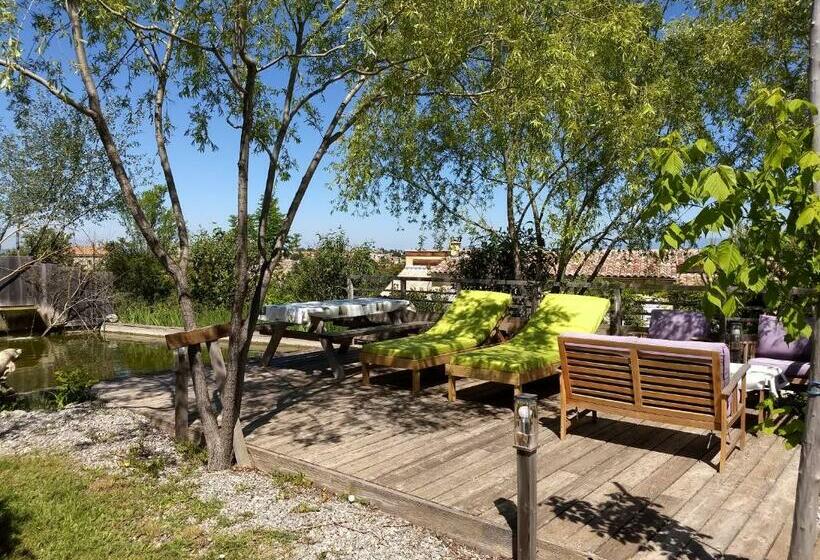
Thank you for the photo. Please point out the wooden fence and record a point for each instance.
(630, 301)
(18, 293)
(62, 295)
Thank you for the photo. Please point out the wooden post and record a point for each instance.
(526, 445)
(181, 394)
(403, 287)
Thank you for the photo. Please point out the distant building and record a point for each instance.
(88, 256)
(636, 267)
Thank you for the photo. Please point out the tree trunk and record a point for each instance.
(804, 529)
(512, 223)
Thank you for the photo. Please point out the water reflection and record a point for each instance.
(106, 357)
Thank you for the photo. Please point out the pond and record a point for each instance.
(105, 356)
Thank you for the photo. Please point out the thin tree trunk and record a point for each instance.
(804, 528)
(512, 223)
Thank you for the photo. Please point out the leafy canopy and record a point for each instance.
(764, 218)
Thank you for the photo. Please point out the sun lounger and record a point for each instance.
(469, 321)
(533, 352)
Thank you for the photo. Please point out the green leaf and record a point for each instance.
(809, 214)
(709, 267)
(809, 159)
(728, 257)
(716, 187)
(729, 306)
(673, 236)
(673, 164)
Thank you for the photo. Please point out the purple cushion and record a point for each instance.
(662, 344)
(678, 325)
(771, 342)
(789, 368)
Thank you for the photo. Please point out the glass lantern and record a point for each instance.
(526, 422)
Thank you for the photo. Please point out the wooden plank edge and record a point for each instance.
(471, 531)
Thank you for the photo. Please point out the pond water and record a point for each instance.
(105, 356)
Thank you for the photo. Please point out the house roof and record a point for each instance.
(623, 265)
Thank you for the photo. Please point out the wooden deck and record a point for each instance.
(614, 489)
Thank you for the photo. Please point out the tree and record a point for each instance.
(47, 245)
(136, 272)
(775, 204)
(322, 273)
(53, 177)
(567, 103)
(262, 66)
(212, 261)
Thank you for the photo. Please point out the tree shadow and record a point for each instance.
(636, 520)
(10, 529)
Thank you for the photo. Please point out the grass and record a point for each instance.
(166, 314)
(52, 509)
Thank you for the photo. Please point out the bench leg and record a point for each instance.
(416, 381)
(562, 432)
(451, 388)
(724, 436)
(742, 406)
(365, 374)
(564, 422)
(594, 415)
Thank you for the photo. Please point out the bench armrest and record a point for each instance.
(731, 386)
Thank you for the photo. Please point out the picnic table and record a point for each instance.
(367, 317)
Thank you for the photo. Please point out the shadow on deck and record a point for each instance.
(614, 489)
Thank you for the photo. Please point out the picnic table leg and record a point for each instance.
(395, 316)
(240, 448)
(333, 360)
(273, 344)
(416, 381)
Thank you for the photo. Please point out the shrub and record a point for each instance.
(73, 386)
(323, 272)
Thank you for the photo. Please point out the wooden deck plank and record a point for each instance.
(755, 538)
(613, 490)
(501, 483)
(677, 529)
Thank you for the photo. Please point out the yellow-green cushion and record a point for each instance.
(468, 322)
(536, 346)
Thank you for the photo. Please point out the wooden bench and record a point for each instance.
(681, 383)
(186, 345)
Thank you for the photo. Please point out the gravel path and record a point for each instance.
(330, 526)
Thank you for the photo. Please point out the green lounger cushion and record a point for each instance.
(468, 322)
(536, 346)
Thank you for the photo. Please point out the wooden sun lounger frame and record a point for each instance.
(677, 381)
(415, 366)
(516, 379)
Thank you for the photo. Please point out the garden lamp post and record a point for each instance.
(526, 444)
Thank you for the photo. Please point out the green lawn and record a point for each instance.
(51, 508)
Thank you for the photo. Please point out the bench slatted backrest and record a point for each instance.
(649, 379)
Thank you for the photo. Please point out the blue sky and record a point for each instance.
(207, 185)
